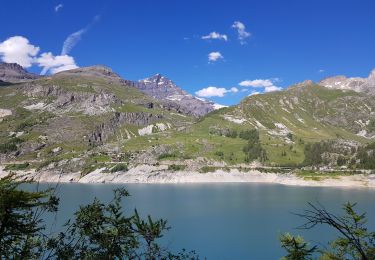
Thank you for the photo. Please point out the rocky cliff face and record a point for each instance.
(173, 97)
(366, 85)
(14, 73)
(108, 128)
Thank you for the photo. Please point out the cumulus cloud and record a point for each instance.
(257, 83)
(19, 50)
(272, 88)
(241, 30)
(58, 7)
(215, 92)
(215, 36)
(54, 64)
(75, 37)
(267, 84)
(214, 56)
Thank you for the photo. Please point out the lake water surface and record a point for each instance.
(224, 221)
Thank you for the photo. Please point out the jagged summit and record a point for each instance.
(14, 73)
(366, 85)
(162, 88)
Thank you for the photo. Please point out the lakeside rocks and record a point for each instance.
(161, 174)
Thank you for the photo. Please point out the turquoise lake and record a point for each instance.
(224, 221)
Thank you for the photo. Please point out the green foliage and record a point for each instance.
(97, 231)
(21, 220)
(220, 154)
(33, 120)
(176, 167)
(354, 241)
(366, 157)
(231, 133)
(296, 247)
(371, 125)
(206, 169)
(252, 134)
(119, 167)
(313, 153)
(18, 166)
(10, 145)
(253, 149)
(341, 161)
(167, 156)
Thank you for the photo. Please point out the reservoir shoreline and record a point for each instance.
(156, 174)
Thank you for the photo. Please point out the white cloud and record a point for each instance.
(58, 7)
(215, 36)
(241, 30)
(215, 92)
(211, 92)
(75, 37)
(54, 64)
(18, 49)
(72, 40)
(267, 84)
(257, 83)
(272, 88)
(214, 56)
(321, 71)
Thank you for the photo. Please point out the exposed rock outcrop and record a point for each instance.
(366, 85)
(105, 130)
(173, 97)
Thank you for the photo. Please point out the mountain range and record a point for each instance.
(90, 118)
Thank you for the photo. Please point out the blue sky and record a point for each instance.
(283, 42)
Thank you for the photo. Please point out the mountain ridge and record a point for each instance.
(90, 118)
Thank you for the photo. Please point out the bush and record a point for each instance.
(119, 167)
(206, 169)
(15, 167)
(252, 134)
(231, 133)
(175, 167)
(167, 155)
(253, 150)
(10, 145)
(220, 154)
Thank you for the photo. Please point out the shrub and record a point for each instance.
(252, 134)
(175, 167)
(119, 167)
(206, 169)
(18, 166)
(10, 145)
(167, 155)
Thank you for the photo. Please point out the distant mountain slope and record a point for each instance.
(13, 73)
(357, 84)
(90, 118)
(73, 112)
(167, 91)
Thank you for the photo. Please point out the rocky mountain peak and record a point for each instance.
(365, 85)
(13, 73)
(12, 66)
(305, 83)
(164, 89)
